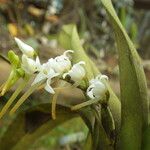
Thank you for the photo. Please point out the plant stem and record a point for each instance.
(25, 96)
(13, 97)
(54, 102)
(104, 141)
(1, 87)
(108, 123)
(84, 104)
(7, 83)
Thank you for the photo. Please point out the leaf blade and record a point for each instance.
(133, 85)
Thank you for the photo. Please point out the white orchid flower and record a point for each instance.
(77, 72)
(61, 63)
(26, 49)
(97, 88)
(29, 65)
(46, 73)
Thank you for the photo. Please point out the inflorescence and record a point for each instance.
(54, 69)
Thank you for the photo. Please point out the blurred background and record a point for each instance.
(37, 22)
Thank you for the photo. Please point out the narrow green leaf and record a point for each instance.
(146, 139)
(69, 39)
(133, 86)
(92, 118)
(88, 143)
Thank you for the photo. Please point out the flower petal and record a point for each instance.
(39, 77)
(28, 64)
(77, 72)
(99, 90)
(101, 77)
(48, 88)
(68, 51)
(52, 73)
(104, 77)
(90, 92)
(38, 64)
(26, 49)
(60, 64)
(65, 74)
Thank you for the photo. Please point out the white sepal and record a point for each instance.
(48, 88)
(28, 64)
(77, 72)
(97, 90)
(39, 77)
(26, 49)
(67, 52)
(102, 77)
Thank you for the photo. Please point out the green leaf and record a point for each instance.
(100, 140)
(31, 124)
(69, 39)
(133, 31)
(88, 143)
(133, 86)
(146, 139)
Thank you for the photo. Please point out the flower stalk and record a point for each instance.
(25, 96)
(13, 97)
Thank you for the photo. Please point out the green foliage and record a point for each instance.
(103, 121)
(133, 86)
(31, 124)
(133, 32)
(100, 139)
(69, 39)
(53, 138)
(146, 139)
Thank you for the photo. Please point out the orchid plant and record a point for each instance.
(58, 68)
(113, 124)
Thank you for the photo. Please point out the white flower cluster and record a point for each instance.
(97, 89)
(59, 66)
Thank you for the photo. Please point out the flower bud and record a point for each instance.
(14, 59)
(26, 49)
